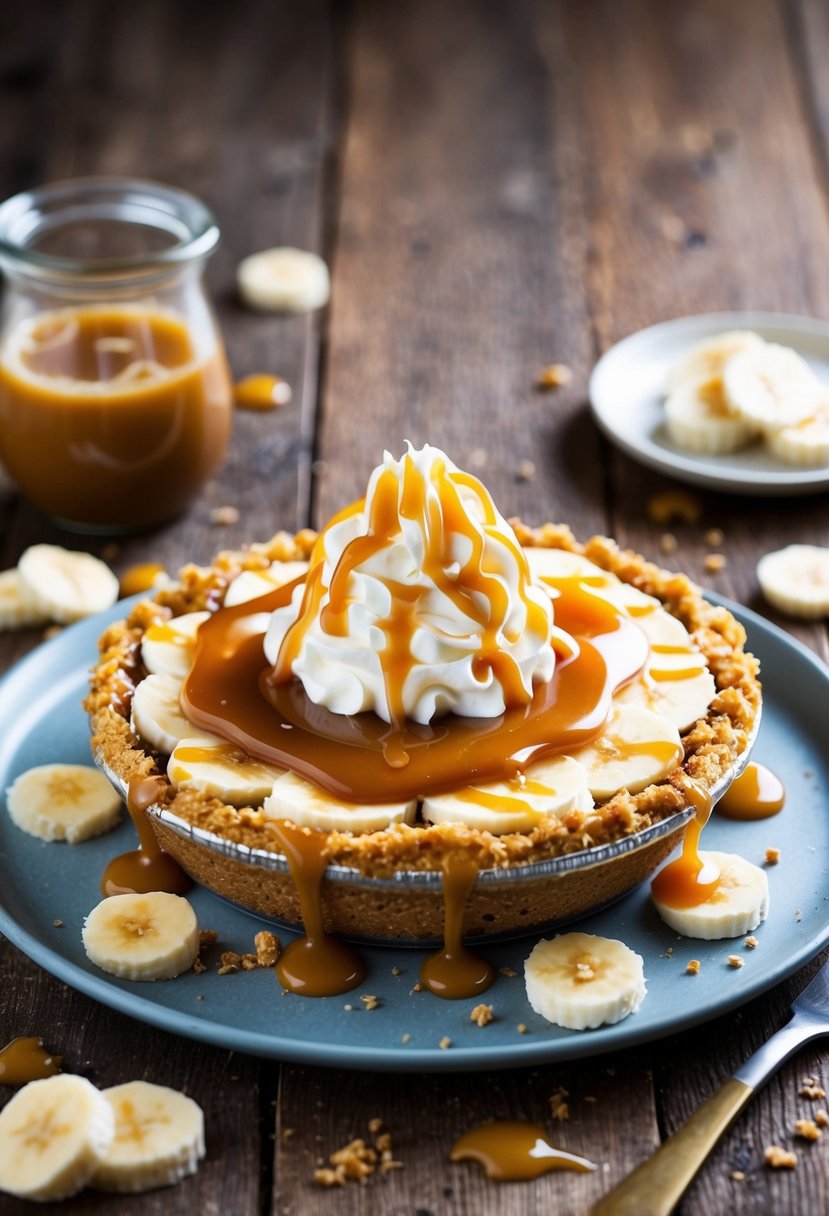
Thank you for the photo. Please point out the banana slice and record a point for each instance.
(806, 444)
(699, 418)
(53, 1136)
(581, 981)
(549, 565)
(662, 629)
(159, 1138)
(637, 748)
(284, 280)
(737, 905)
(65, 585)
(796, 580)
(17, 608)
(156, 715)
(308, 806)
(217, 767)
(550, 787)
(708, 358)
(167, 648)
(771, 387)
(71, 802)
(142, 937)
(250, 584)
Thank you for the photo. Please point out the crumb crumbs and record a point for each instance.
(418, 987)
(714, 537)
(375, 1125)
(348, 1008)
(525, 470)
(224, 516)
(673, 505)
(715, 562)
(807, 1129)
(207, 937)
(58, 923)
(669, 952)
(249, 962)
(821, 1118)
(370, 1002)
(693, 967)
(481, 1015)
(735, 961)
(508, 972)
(405, 1038)
(779, 1158)
(811, 1090)
(229, 962)
(199, 998)
(751, 941)
(668, 543)
(445, 1043)
(395, 970)
(554, 375)
(559, 1106)
(268, 948)
(198, 966)
(521, 1028)
(737, 1176)
(288, 1133)
(772, 857)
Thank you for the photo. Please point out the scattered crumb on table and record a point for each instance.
(694, 966)
(779, 1158)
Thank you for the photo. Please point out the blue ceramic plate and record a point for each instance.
(41, 720)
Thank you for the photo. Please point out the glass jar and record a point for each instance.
(115, 395)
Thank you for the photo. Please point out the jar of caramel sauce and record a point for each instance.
(115, 395)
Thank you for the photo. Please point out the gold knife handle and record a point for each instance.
(657, 1185)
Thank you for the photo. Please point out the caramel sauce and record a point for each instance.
(261, 392)
(147, 868)
(675, 673)
(108, 416)
(139, 578)
(683, 883)
(455, 972)
(511, 1151)
(315, 964)
(26, 1059)
(756, 794)
(623, 749)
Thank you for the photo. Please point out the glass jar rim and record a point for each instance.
(27, 215)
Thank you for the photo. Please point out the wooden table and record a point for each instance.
(495, 187)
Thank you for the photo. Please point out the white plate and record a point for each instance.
(627, 390)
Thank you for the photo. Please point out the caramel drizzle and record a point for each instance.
(147, 868)
(455, 972)
(512, 1151)
(26, 1059)
(683, 883)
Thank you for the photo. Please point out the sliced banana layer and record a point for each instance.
(18, 609)
(284, 280)
(156, 715)
(167, 648)
(708, 358)
(676, 682)
(71, 802)
(310, 807)
(549, 565)
(159, 1138)
(217, 767)
(699, 419)
(805, 445)
(66, 586)
(796, 580)
(250, 584)
(142, 937)
(771, 386)
(737, 905)
(637, 748)
(581, 981)
(53, 1136)
(550, 787)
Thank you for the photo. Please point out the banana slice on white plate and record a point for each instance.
(738, 903)
(310, 807)
(699, 418)
(771, 387)
(142, 937)
(156, 715)
(18, 610)
(708, 358)
(65, 585)
(54, 1134)
(159, 1138)
(637, 748)
(222, 769)
(71, 802)
(167, 648)
(581, 981)
(806, 444)
(549, 787)
(796, 580)
(284, 280)
(250, 584)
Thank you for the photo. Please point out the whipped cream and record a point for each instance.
(419, 601)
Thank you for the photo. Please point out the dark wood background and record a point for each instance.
(496, 186)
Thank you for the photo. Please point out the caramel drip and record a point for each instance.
(26, 1059)
(682, 883)
(455, 972)
(511, 1151)
(315, 964)
(165, 631)
(229, 692)
(509, 805)
(260, 392)
(147, 868)
(756, 794)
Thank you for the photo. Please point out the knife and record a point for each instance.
(655, 1187)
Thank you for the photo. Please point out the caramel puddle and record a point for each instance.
(682, 883)
(455, 972)
(757, 793)
(25, 1059)
(512, 1151)
(147, 868)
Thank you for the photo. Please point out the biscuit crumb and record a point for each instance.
(559, 1106)
(772, 857)
(714, 537)
(374, 1126)
(198, 966)
(810, 1090)
(224, 516)
(481, 1015)
(715, 562)
(229, 961)
(268, 948)
(521, 1028)
(406, 1038)
(418, 987)
(737, 1176)
(58, 923)
(395, 970)
(445, 1043)
(807, 1129)
(821, 1118)
(508, 972)
(525, 470)
(207, 937)
(751, 941)
(288, 1133)
(554, 375)
(779, 1158)
(249, 962)
(668, 543)
(370, 1001)
(735, 961)
(693, 967)
(672, 505)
